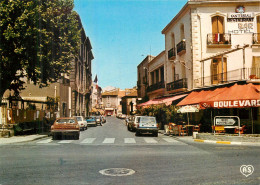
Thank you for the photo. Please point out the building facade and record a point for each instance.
(156, 81)
(111, 101)
(214, 44)
(96, 97)
(129, 103)
(225, 50)
(142, 79)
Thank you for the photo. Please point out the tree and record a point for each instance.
(38, 40)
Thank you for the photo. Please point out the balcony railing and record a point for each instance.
(256, 38)
(159, 85)
(181, 46)
(178, 84)
(171, 53)
(235, 75)
(219, 39)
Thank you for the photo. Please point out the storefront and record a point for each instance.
(240, 99)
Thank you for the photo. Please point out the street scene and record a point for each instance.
(129, 92)
(154, 160)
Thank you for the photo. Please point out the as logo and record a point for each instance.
(247, 170)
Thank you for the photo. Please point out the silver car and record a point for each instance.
(147, 124)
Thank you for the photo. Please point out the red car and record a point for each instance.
(65, 126)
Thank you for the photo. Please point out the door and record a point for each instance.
(217, 72)
(218, 29)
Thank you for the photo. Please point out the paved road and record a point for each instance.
(127, 158)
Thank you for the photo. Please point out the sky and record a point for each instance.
(123, 33)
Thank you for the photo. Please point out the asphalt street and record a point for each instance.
(112, 155)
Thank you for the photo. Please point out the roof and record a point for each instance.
(132, 94)
(116, 92)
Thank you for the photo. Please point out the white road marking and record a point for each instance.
(45, 141)
(129, 140)
(170, 140)
(109, 140)
(150, 140)
(88, 140)
(66, 141)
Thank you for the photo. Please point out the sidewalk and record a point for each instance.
(19, 139)
(190, 139)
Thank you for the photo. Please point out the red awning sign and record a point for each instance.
(231, 104)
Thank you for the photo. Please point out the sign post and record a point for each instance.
(226, 121)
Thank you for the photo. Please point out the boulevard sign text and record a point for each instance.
(236, 103)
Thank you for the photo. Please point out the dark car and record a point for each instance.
(91, 120)
(103, 118)
(65, 127)
(99, 120)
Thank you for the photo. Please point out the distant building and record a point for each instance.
(96, 97)
(129, 102)
(142, 79)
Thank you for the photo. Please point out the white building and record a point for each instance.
(212, 42)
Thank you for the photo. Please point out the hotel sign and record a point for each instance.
(240, 23)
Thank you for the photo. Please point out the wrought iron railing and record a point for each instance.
(171, 53)
(219, 39)
(181, 46)
(256, 38)
(178, 84)
(234, 75)
(159, 85)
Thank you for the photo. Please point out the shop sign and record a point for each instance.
(240, 22)
(231, 104)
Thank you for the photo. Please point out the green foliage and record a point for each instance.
(38, 40)
(164, 114)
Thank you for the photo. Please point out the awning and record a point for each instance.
(236, 96)
(166, 100)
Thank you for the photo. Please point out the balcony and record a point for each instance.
(178, 84)
(235, 75)
(159, 85)
(181, 47)
(171, 54)
(256, 38)
(219, 40)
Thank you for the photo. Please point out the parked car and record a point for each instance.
(119, 115)
(109, 114)
(98, 120)
(82, 122)
(147, 124)
(91, 120)
(123, 116)
(103, 118)
(65, 126)
(132, 123)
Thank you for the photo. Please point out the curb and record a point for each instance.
(21, 140)
(226, 142)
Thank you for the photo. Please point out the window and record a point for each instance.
(217, 71)
(162, 74)
(218, 29)
(182, 32)
(157, 76)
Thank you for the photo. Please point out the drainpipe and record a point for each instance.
(244, 61)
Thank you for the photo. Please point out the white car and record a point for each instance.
(147, 124)
(83, 124)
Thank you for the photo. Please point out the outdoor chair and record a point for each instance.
(183, 130)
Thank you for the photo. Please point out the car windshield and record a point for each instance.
(148, 120)
(91, 118)
(61, 121)
(79, 118)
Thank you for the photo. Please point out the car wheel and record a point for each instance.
(76, 136)
(156, 134)
(137, 133)
(95, 125)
